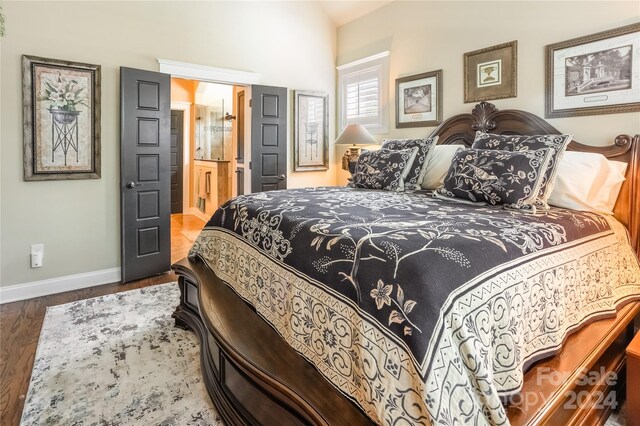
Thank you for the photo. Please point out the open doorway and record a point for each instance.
(150, 238)
(207, 158)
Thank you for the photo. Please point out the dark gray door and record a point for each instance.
(177, 120)
(145, 112)
(268, 138)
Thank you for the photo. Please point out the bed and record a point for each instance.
(320, 310)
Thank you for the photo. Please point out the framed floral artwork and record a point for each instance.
(419, 100)
(594, 74)
(491, 73)
(61, 107)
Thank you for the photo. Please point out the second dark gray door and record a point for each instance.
(145, 109)
(268, 138)
(177, 120)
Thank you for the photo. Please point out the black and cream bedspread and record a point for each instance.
(421, 310)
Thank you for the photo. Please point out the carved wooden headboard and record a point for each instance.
(461, 129)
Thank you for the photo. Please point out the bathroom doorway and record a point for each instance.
(210, 136)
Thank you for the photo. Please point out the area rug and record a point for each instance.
(118, 360)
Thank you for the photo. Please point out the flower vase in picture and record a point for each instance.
(64, 95)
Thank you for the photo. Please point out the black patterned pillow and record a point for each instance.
(383, 169)
(419, 166)
(529, 143)
(496, 177)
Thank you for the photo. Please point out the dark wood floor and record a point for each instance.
(20, 322)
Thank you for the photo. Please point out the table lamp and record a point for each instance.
(353, 134)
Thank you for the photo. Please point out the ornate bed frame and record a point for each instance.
(254, 377)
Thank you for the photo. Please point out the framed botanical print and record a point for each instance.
(491, 73)
(311, 131)
(594, 74)
(61, 107)
(419, 100)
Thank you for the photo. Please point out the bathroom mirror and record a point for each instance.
(213, 122)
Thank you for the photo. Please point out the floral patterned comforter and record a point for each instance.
(420, 310)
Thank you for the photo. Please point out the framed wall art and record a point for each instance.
(491, 73)
(311, 131)
(594, 74)
(419, 100)
(61, 107)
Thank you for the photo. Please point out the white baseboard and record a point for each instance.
(33, 289)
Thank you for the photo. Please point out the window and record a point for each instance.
(364, 89)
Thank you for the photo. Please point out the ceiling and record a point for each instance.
(344, 11)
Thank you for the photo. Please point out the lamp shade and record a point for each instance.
(355, 134)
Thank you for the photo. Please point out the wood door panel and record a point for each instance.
(148, 95)
(145, 173)
(148, 131)
(268, 138)
(148, 205)
(177, 122)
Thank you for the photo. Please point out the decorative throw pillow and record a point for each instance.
(419, 166)
(529, 143)
(383, 169)
(496, 177)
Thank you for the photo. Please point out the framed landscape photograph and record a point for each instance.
(419, 100)
(491, 73)
(61, 107)
(595, 74)
(311, 130)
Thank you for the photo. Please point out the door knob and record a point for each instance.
(131, 185)
(282, 177)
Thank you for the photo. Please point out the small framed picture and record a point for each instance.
(311, 131)
(419, 100)
(61, 107)
(594, 74)
(491, 73)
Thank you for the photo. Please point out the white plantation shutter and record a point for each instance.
(363, 94)
(363, 99)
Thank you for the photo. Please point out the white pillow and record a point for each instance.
(587, 181)
(438, 163)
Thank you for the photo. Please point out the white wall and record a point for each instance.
(426, 36)
(288, 44)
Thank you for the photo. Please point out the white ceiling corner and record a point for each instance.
(344, 11)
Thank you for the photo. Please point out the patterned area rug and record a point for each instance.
(117, 360)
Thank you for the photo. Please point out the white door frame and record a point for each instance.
(212, 75)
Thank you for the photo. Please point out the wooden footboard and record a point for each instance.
(251, 374)
(254, 377)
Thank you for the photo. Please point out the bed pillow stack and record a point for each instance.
(418, 168)
(517, 143)
(496, 177)
(587, 181)
(398, 165)
(383, 169)
(514, 170)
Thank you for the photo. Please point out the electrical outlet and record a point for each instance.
(37, 255)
